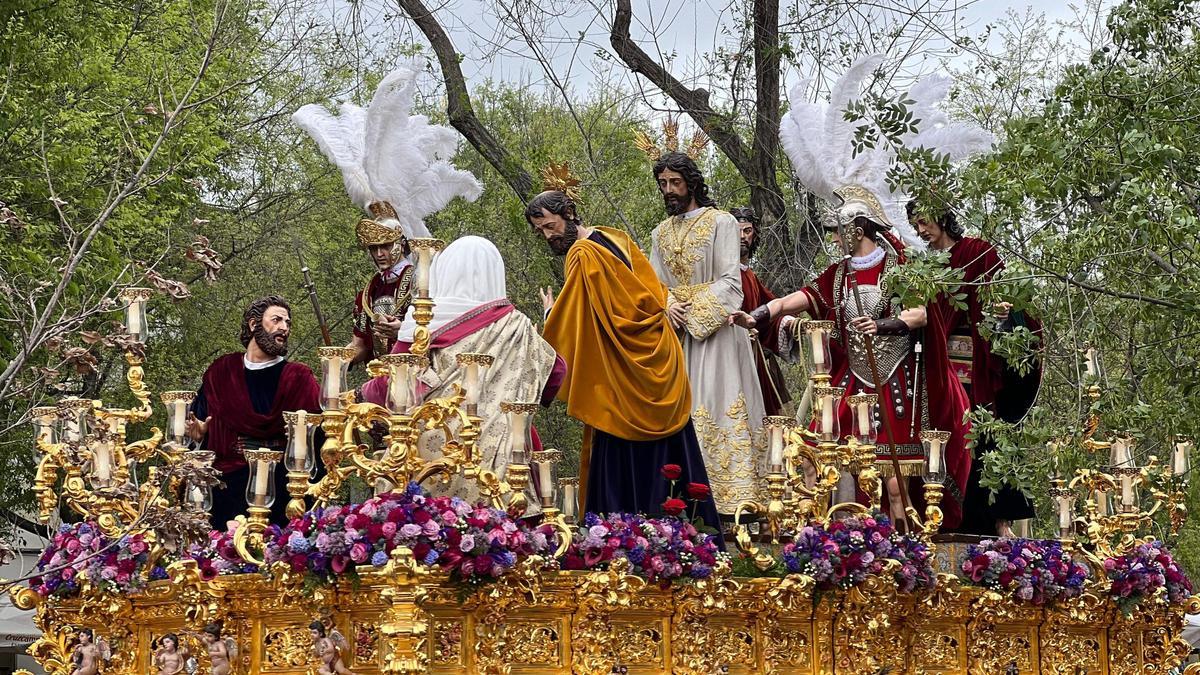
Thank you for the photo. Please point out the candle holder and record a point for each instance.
(177, 404)
(568, 495)
(934, 443)
(135, 300)
(1064, 500)
(546, 462)
(76, 418)
(45, 425)
(816, 345)
(863, 409)
(403, 370)
(776, 426)
(300, 456)
(474, 367)
(827, 400)
(425, 248)
(517, 473)
(260, 496)
(334, 363)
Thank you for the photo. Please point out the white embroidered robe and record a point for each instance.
(698, 258)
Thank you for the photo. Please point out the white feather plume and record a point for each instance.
(386, 154)
(819, 141)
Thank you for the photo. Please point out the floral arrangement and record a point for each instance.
(81, 551)
(1140, 574)
(472, 543)
(1027, 570)
(845, 552)
(218, 556)
(658, 549)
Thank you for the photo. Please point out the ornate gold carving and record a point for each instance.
(559, 177)
(287, 648)
(682, 243)
(730, 454)
(373, 233)
(447, 642)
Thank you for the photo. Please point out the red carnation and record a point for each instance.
(673, 506)
(698, 491)
(671, 471)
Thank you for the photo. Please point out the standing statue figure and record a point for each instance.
(397, 167)
(170, 657)
(696, 253)
(764, 339)
(221, 651)
(328, 647)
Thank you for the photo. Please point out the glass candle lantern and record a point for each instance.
(425, 249)
(1103, 503)
(45, 422)
(301, 453)
(75, 414)
(863, 408)
(1091, 364)
(777, 427)
(135, 300)
(816, 344)
(546, 462)
(474, 367)
(102, 463)
(1064, 502)
(827, 401)
(934, 443)
(519, 414)
(403, 370)
(1121, 450)
(260, 489)
(199, 497)
(568, 495)
(1181, 456)
(334, 363)
(178, 404)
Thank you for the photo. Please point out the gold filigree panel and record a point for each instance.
(939, 650)
(286, 648)
(446, 641)
(534, 642)
(366, 642)
(638, 643)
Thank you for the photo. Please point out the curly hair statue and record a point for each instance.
(946, 220)
(684, 166)
(746, 214)
(256, 310)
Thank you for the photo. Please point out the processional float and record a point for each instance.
(145, 504)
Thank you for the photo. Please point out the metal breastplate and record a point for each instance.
(890, 350)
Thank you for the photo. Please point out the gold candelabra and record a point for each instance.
(812, 472)
(86, 461)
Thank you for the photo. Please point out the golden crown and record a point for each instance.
(652, 150)
(559, 177)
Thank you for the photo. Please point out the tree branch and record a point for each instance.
(458, 102)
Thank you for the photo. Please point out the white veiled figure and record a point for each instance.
(472, 313)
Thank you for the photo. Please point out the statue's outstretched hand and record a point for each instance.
(195, 429)
(742, 319)
(547, 296)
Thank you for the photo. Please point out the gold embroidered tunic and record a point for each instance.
(697, 256)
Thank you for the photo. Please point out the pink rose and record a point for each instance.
(389, 529)
(358, 553)
(68, 573)
(122, 577)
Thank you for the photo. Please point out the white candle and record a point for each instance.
(1126, 489)
(1064, 513)
(544, 478)
(135, 317)
(196, 496)
(827, 415)
(818, 349)
(179, 422)
(300, 437)
(423, 260)
(935, 456)
(72, 428)
(1101, 497)
(398, 388)
(1121, 455)
(864, 419)
(471, 383)
(261, 475)
(569, 500)
(517, 437)
(1179, 464)
(776, 455)
(333, 378)
(103, 467)
(1091, 362)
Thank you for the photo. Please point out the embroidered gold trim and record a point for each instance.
(683, 241)
(707, 315)
(730, 450)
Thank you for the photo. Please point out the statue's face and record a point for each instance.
(383, 255)
(558, 233)
(315, 635)
(676, 196)
(928, 229)
(746, 233)
(84, 638)
(169, 643)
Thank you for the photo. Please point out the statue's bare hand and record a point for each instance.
(742, 319)
(677, 314)
(387, 327)
(195, 429)
(864, 324)
(547, 296)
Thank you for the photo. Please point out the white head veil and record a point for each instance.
(467, 274)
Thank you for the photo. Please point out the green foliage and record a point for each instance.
(926, 275)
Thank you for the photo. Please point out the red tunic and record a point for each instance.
(774, 389)
(945, 401)
(396, 287)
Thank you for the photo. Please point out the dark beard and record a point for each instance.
(266, 342)
(745, 252)
(677, 205)
(562, 243)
